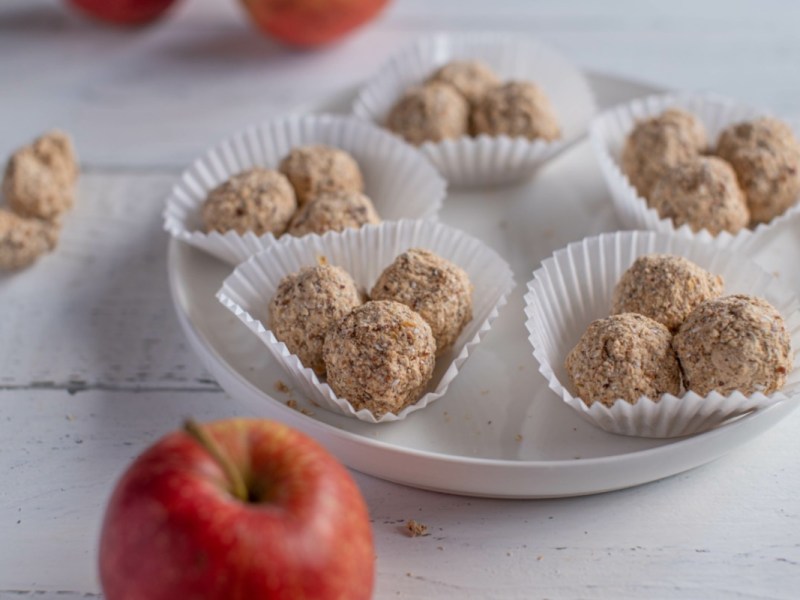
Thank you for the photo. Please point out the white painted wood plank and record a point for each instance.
(727, 530)
(97, 311)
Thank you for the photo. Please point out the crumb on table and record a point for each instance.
(415, 528)
(281, 387)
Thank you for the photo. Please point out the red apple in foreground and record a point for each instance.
(309, 23)
(124, 12)
(236, 510)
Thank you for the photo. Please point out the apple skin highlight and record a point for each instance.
(174, 529)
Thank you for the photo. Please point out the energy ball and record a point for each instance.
(516, 109)
(659, 143)
(430, 113)
(433, 287)
(734, 343)
(665, 288)
(23, 241)
(624, 356)
(39, 179)
(306, 305)
(471, 78)
(380, 357)
(257, 200)
(703, 193)
(333, 211)
(766, 157)
(318, 169)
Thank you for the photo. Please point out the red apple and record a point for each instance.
(236, 510)
(124, 12)
(311, 23)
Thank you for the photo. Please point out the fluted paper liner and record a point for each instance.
(574, 287)
(486, 160)
(397, 178)
(609, 131)
(364, 253)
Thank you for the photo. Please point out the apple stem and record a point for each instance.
(201, 436)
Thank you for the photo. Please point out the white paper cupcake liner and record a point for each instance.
(485, 160)
(364, 253)
(574, 287)
(397, 178)
(609, 131)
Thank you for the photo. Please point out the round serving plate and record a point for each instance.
(499, 431)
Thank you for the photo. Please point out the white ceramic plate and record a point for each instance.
(499, 431)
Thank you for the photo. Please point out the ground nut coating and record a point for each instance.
(665, 288)
(306, 305)
(333, 211)
(623, 356)
(704, 193)
(430, 113)
(318, 169)
(471, 78)
(433, 287)
(22, 240)
(734, 343)
(380, 357)
(39, 179)
(257, 200)
(516, 109)
(657, 144)
(766, 157)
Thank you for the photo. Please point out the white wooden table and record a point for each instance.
(93, 366)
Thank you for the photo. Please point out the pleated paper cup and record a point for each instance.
(609, 131)
(484, 160)
(364, 253)
(397, 178)
(574, 287)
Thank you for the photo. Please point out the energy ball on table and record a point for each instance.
(306, 305)
(430, 113)
(39, 179)
(257, 200)
(516, 109)
(317, 169)
(624, 356)
(734, 343)
(657, 144)
(380, 357)
(766, 157)
(665, 288)
(433, 287)
(22, 240)
(471, 78)
(333, 211)
(702, 192)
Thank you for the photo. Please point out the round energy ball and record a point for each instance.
(433, 287)
(703, 193)
(623, 356)
(766, 157)
(257, 200)
(659, 143)
(333, 211)
(317, 169)
(665, 288)
(380, 357)
(430, 113)
(23, 241)
(471, 78)
(516, 109)
(734, 343)
(39, 178)
(306, 305)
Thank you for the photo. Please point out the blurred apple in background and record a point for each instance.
(124, 12)
(236, 510)
(309, 23)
